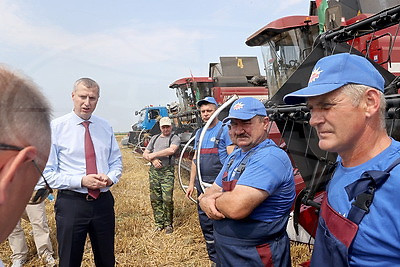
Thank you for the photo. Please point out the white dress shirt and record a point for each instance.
(66, 165)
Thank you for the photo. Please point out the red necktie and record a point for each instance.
(90, 158)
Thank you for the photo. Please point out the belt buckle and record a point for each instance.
(89, 198)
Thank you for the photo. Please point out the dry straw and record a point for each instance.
(135, 242)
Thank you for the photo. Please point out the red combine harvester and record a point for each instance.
(233, 75)
(291, 46)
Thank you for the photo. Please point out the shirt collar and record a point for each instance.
(78, 120)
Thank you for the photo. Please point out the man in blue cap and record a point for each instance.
(251, 198)
(214, 150)
(359, 219)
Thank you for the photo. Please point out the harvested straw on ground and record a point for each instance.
(135, 242)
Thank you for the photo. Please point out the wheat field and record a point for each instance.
(135, 242)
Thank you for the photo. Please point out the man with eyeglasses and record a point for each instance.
(24, 146)
(84, 162)
(252, 195)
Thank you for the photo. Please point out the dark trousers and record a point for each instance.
(75, 218)
(207, 228)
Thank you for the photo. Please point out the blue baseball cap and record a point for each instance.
(245, 109)
(207, 100)
(332, 72)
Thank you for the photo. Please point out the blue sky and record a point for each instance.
(133, 49)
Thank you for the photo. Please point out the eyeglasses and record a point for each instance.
(40, 194)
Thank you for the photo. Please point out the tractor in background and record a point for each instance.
(146, 126)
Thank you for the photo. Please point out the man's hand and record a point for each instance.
(207, 204)
(156, 163)
(189, 191)
(151, 156)
(95, 181)
(105, 178)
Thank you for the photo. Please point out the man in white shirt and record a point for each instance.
(84, 162)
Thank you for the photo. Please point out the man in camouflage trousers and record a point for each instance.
(159, 152)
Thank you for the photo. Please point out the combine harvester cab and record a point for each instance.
(237, 76)
(184, 114)
(232, 75)
(291, 46)
(146, 126)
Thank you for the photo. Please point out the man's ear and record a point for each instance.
(266, 122)
(372, 102)
(10, 167)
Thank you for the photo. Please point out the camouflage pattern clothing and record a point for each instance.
(161, 194)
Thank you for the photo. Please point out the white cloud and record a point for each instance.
(118, 46)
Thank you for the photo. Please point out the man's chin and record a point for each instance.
(325, 145)
(242, 144)
(85, 115)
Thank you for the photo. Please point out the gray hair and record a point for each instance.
(25, 114)
(356, 92)
(88, 83)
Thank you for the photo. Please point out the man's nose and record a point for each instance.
(316, 118)
(86, 101)
(238, 129)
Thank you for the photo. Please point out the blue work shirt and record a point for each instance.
(269, 169)
(377, 242)
(210, 138)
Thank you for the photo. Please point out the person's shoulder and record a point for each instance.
(100, 120)
(197, 133)
(219, 124)
(62, 120)
(217, 127)
(270, 151)
(396, 145)
(154, 137)
(102, 124)
(389, 154)
(175, 137)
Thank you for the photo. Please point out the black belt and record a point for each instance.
(81, 195)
